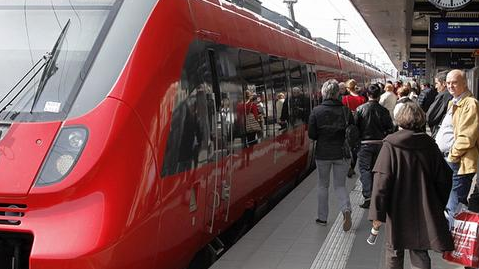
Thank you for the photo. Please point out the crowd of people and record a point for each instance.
(413, 179)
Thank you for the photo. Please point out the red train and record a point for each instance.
(124, 146)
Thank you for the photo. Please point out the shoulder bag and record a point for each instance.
(252, 125)
(351, 136)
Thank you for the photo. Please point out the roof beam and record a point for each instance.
(418, 46)
(415, 55)
(419, 33)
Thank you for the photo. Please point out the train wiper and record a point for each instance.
(51, 67)
(45, 59)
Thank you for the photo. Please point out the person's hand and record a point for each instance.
(376, 224)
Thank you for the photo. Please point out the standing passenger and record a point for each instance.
(374, 123)
(242, 110)
(352, 101)
(426, 97)
(388, 99)
(279, 109)
(457, 139)
(327, 125)
(411, 187)
(403, 93)
(438, 108)
(342, 90)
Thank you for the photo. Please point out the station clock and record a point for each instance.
(450, 5)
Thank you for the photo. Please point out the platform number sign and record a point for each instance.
(406, 65)
(460, 33)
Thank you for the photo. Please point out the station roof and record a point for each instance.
(402, 26)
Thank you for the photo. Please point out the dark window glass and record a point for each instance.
(279, 82)
(231, 97)
(308, 84)
(315, 94)
(270, 119)
(189, 137)
(296, 99)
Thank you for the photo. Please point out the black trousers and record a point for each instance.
(367, 156)
(395, 259)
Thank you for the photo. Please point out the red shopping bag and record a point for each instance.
(466, 243)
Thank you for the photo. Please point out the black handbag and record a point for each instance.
(351, 136)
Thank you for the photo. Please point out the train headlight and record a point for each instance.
(63, 155)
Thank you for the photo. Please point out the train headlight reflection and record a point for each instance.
(76, 139)
(63, 155)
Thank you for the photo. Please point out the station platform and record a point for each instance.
(289, 238)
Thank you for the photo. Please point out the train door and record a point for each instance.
(297, 111)
(313, 89)
(218, 184)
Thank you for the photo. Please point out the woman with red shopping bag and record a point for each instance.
(411, 187)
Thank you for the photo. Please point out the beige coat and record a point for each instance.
(465, 119)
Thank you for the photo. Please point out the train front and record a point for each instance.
(71, 195)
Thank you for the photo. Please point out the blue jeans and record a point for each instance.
(461, 184)
(340, 170)
(368, 153)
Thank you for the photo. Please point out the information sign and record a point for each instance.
(461, 33)
(418, 72)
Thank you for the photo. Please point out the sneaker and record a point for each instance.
(351, 172)
(366, 204)
(347, 222)
(321, 222)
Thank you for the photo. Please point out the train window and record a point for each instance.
(296, 100)
(253, 85)
(306, 93)
(49, 93)
(270, 99)
(278, 81)
(313, 82)
(188, 140)
(231, 96)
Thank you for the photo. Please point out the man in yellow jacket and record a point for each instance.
(457, 138)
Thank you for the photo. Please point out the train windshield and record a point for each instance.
(46, 51)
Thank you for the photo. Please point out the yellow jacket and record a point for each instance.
(465, 119)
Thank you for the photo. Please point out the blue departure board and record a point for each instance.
(456, 33)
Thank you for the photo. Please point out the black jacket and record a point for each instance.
(373, 121)
(425, 98)
(327, 125)
(437, 111)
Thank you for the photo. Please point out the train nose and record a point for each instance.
(23, 148)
